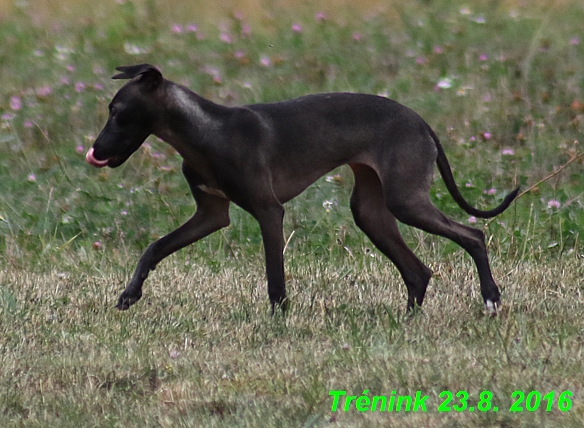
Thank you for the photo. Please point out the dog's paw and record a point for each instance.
(283, 305)
(126, 300)
(492, 307)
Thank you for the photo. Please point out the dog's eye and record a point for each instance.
(112, 110)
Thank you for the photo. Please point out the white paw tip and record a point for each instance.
(491, 307)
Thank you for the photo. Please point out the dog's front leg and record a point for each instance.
(212, 214)
(270, 220)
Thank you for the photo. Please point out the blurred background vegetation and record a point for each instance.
(500, 82)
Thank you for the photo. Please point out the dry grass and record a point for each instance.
(201, 350)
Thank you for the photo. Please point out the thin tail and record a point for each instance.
(446, 173)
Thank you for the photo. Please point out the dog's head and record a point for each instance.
(132, 116)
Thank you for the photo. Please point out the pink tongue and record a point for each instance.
(92, 161)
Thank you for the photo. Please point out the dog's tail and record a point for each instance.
(446, 173)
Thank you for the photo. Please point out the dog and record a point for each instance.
(261, 156)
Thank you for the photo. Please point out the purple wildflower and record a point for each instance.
(265, 61)
(43, 91)
(225, 38)
(490, 191)
(445, 83)
(159, 156)
(79, 87)
(15, 103)
(245, 30)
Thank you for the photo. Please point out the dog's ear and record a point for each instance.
(149, 74)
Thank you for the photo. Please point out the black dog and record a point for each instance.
(261, 156)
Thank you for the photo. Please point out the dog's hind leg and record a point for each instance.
(407, 197)
(372, 216)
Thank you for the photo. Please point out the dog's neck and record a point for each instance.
(192, 107)
(192, 125)
(192, 122)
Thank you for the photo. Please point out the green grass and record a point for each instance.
(502, 85)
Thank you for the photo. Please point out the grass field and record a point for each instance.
(502, 83)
